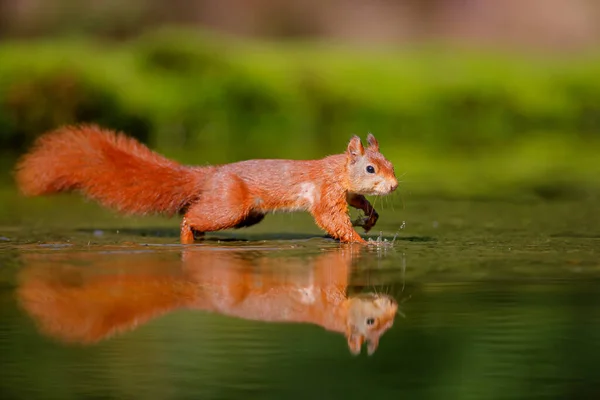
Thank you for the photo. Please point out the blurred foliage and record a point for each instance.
(34, 104)
(186, 93)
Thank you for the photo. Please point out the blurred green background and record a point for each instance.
(468, 99)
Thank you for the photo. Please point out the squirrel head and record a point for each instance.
(369, 172)
(369, 317)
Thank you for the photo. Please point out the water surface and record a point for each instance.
(496, 300)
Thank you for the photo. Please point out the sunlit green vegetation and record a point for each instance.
(455, 123)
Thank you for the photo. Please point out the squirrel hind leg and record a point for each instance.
(188, 235)
(224, 206)
(253, 218)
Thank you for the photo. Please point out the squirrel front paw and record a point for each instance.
(366, 221)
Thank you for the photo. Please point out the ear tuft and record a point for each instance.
(372, 346)
(355, 343)
(355, 147)
(373, 143)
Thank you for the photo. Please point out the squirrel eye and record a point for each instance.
(370, 169)
(370, 321)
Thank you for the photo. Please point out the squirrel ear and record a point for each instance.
(372, 345)
(355, 147)
(355, 343)
(373, 143)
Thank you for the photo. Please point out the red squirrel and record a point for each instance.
(119, 172)
(119, 292)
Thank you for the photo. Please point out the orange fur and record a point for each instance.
(119, 172)
(117, 294)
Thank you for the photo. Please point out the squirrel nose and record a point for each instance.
(393, 186)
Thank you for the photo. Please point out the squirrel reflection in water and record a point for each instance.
(119, 292)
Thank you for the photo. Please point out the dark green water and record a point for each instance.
(499, 301)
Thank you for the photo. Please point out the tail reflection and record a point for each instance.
(118, 292)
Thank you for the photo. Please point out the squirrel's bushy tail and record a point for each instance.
(113, 169)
